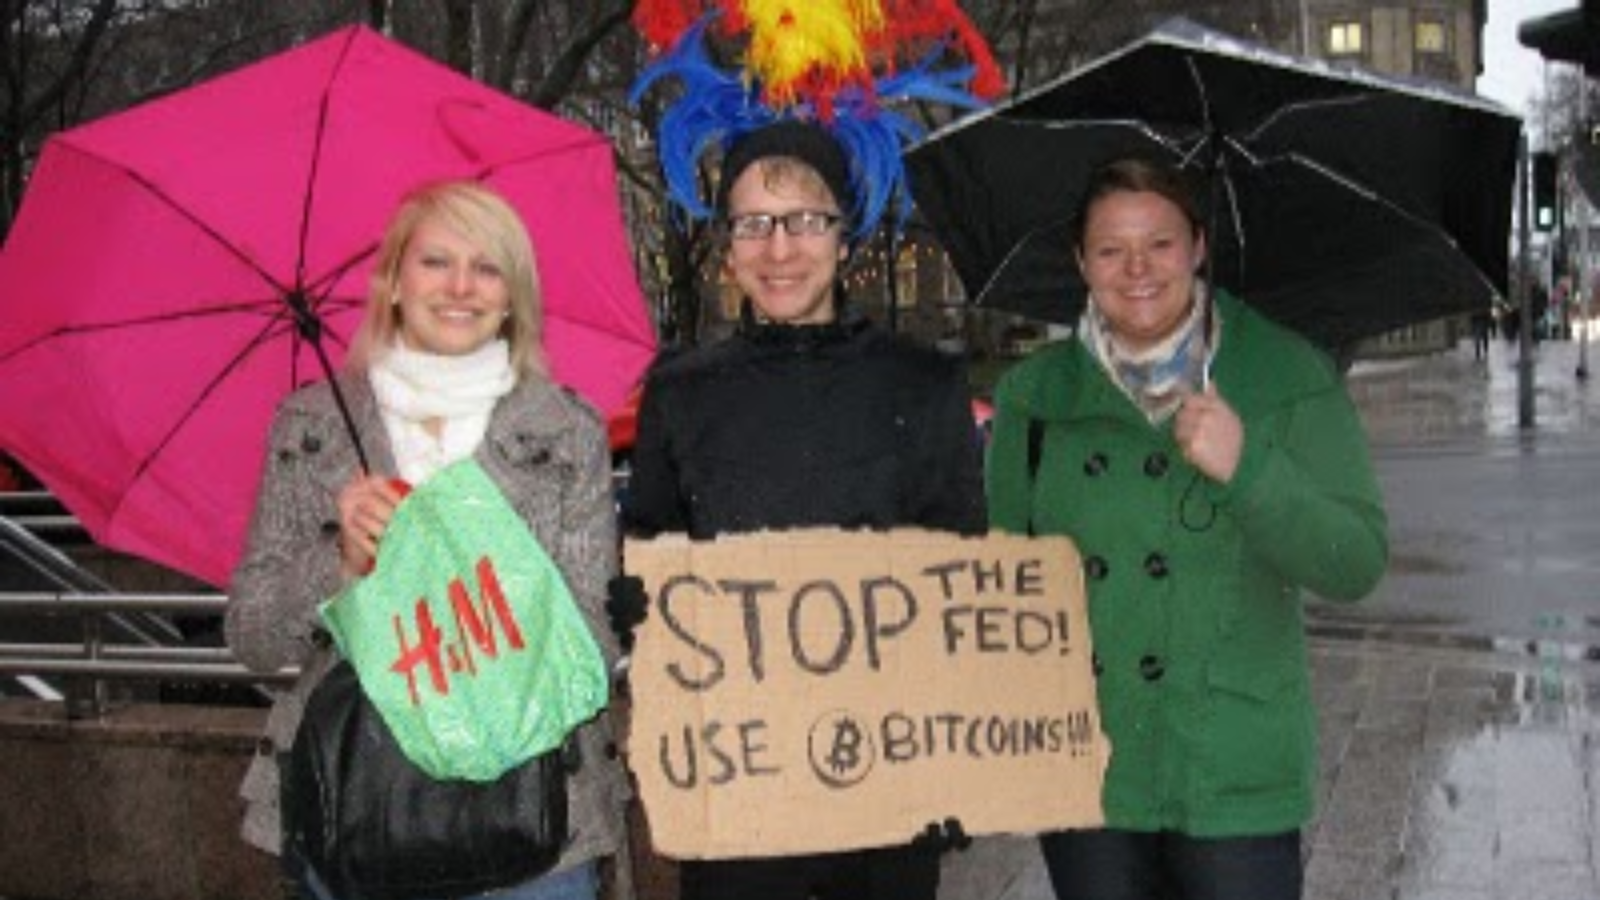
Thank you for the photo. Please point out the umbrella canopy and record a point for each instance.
(151, 286)
(1343, 204)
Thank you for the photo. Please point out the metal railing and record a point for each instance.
(78, 635)
(90, 666)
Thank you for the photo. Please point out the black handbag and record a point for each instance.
(373, 826)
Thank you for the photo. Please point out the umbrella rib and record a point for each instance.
(324, 283)
(1299, 106)
(308, 196)
(249, 306)
(1237, 217)
(1375, 197)
(1175, 145)
(1203, 96)
(140, 179)
(1016, 247)
(261, 338)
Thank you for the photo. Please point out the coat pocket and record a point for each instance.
(1259, 729)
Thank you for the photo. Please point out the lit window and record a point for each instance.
(1344, 38)
(905, 274)
(1430, 37)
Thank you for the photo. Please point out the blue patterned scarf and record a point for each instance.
(1158, 378)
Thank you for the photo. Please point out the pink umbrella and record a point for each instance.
(152, 282)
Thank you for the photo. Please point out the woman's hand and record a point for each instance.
(1210, 434)
(365, 507)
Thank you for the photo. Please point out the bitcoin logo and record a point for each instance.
(841, 749)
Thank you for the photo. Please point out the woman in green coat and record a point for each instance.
(1207, 474)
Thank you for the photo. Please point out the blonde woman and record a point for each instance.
(447, 365)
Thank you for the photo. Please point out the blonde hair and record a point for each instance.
(487, 221)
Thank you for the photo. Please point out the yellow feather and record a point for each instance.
(791, 38)
(868, 15)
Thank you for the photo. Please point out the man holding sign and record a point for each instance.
(808, 416)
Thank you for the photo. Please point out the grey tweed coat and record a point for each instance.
(544, 449)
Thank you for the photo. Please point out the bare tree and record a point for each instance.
(1043, 39)
(47, 50)
(68, 61)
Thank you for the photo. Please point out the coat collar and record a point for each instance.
(1063, 382)
(532, 415)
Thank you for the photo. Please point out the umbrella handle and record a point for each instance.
(309, 326)
(344, 410)
(1214, 177)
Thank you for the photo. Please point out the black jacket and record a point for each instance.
(793, 426)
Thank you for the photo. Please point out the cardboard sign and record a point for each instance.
(819, 690)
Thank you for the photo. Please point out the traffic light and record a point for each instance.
(1544, 191)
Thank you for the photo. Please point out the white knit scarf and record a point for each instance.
(1157, 378)
(459, 391)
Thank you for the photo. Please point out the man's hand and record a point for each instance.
(627, 605)
(940, 838)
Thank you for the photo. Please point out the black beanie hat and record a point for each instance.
(806, 141)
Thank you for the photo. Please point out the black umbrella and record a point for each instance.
(1343, 204)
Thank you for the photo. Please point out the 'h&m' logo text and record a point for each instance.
(475, 625)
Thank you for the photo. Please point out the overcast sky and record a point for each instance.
(1512, 72)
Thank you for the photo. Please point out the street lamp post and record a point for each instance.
(1524, 286)
(1581, 213)
(1580, 279)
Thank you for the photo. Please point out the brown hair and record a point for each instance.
(1135, 175)
(484, 219)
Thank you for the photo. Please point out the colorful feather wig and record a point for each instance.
(834, 62)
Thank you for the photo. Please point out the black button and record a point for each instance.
(1156, 464)
(285, 456)
(539, 457)
(1155, 565)
(1151, 668)
(1096, 568)
(330, 529)
(311, 443)
(1096, 465)
(1096, 664)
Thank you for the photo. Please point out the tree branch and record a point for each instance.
(558, 81)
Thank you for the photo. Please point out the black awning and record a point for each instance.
(1571, 36)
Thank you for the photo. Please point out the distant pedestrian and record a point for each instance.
(1511, 326)
(1482, 329)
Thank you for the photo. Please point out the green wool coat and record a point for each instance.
(1195, 587)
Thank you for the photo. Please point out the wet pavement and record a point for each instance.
(1460, 751)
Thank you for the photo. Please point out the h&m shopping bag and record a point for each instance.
(465, 635)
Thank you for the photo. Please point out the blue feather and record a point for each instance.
(718, 106)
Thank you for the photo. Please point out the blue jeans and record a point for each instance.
(577, 883)
(1129, 865)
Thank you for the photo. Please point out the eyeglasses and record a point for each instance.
(800, 223)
